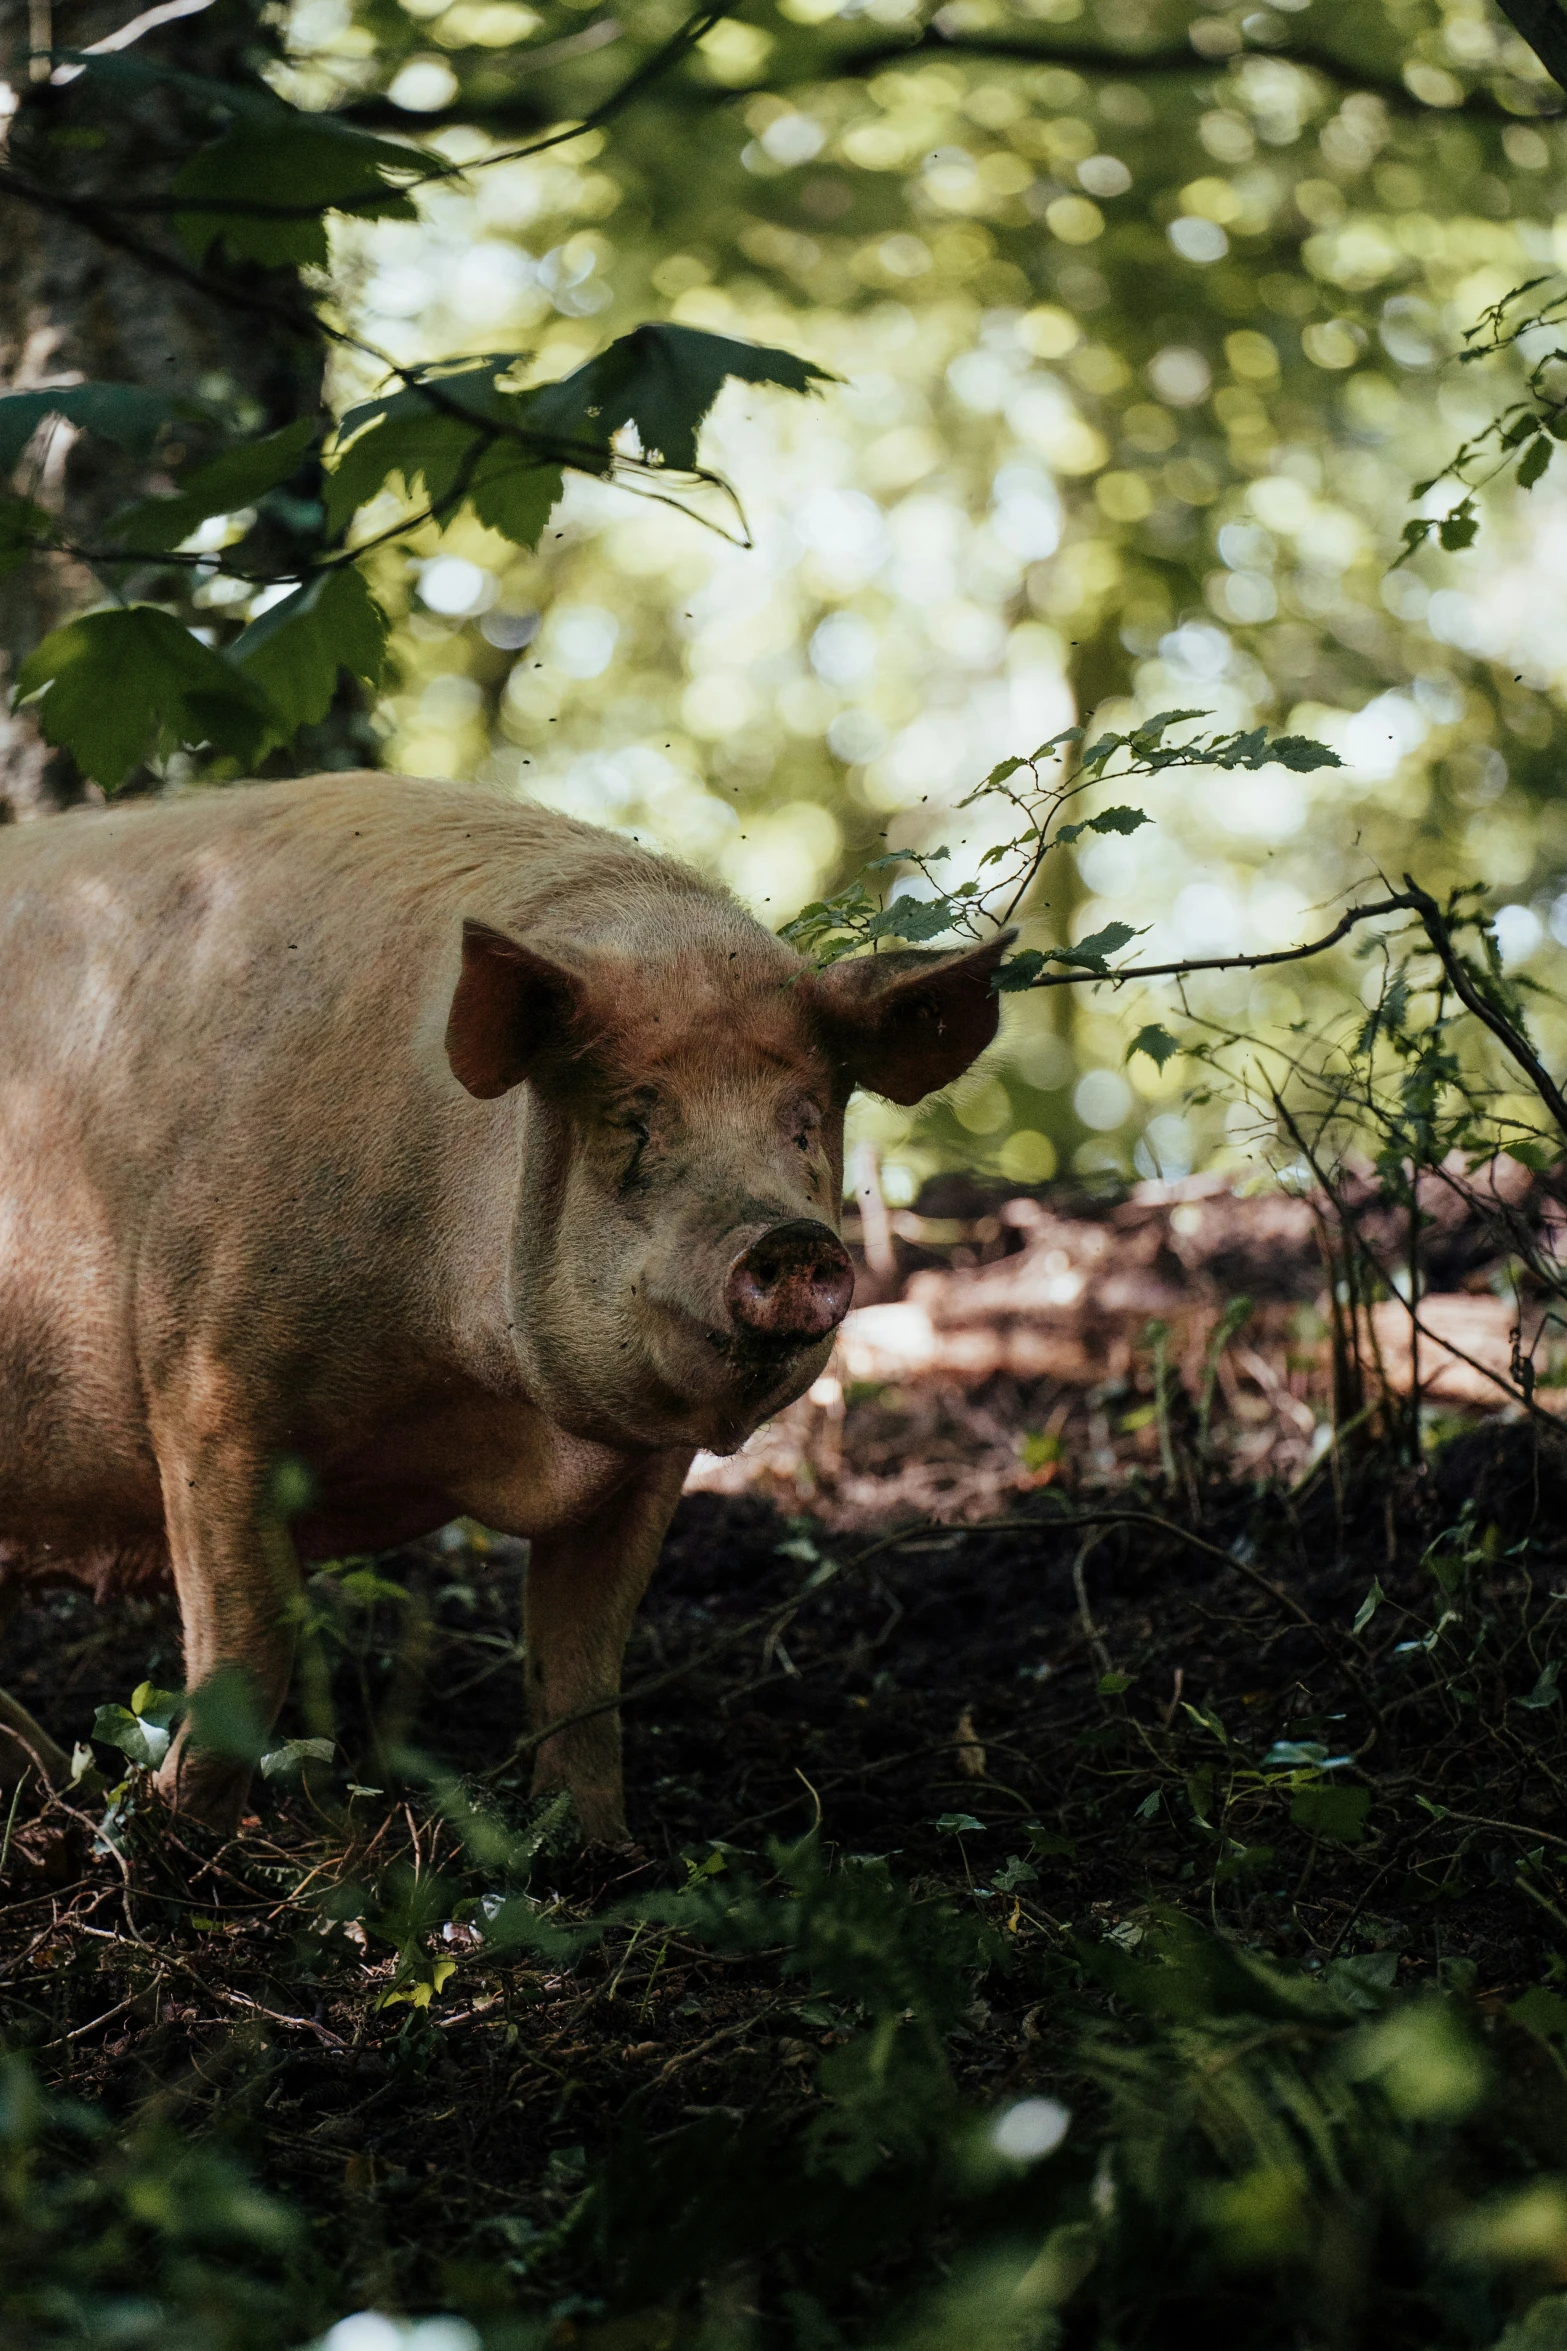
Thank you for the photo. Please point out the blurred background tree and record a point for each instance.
(1142, 315)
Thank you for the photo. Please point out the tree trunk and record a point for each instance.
(83, 301)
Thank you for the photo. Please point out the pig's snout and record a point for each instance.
(792, 1285)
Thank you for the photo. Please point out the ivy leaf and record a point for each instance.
(293, 159)
(145, 1743)
(22, 526)
(115, 686)
(236, 478)
(663, 380)
(1156, 1042)
(1534, 461)
(126, 414)
(1545, 1692)
(283, 1762)
(296, 648)
(159, 1707)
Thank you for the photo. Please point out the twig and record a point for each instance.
(10, 1818)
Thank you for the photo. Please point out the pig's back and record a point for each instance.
(156, 960)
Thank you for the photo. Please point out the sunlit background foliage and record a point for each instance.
(1138, 363)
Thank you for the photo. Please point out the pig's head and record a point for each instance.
(676, 1269)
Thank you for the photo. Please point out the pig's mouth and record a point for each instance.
(785, 1290)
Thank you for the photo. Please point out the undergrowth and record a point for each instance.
(1198, 1972)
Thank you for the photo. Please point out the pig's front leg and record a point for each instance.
(582, 1592)
(237, 1580)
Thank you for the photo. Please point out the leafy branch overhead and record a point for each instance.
(1037, 789)
(1523, 437)
(465, 436)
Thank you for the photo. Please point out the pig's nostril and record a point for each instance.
(792, 1285)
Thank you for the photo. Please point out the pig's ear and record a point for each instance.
(510, 1008)
(905, 1023)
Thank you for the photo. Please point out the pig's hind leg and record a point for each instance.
(582, 1592)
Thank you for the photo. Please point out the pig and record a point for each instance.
(481, 1161)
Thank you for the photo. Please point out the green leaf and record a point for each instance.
(156, 1706)
(145, 1743)
(406, 437)
(1014, 1874)
(512, 493)
(458, 433)
(222, 486)
(292, 160)
(22, 526)
(1541, 2012)
(1534, 461)
(1545, 1693)
(1369, 1606)
(282, 1762)
(296, 648)
(913, 918)
(1111, 1685)
(1017, 973)
(119, 684)
(663, 380)
(126, 414)
(1458, 530)
(226, 1715)
(1090, 953)
(363, 1586)
(1337, 1813)
(954, 1824)
(1301, 754)
(1156, 1042)
(1119, 820)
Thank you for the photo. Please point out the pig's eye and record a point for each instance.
(805, 1125)
(633, 1120)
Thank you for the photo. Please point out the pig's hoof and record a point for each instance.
(209, 1792)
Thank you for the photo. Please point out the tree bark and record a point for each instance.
(84, 301)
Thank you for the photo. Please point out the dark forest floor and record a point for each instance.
(1067, 1722)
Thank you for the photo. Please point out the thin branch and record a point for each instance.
(652, 69)
(1174, 59)
(1507, 1033)
(1164, 971)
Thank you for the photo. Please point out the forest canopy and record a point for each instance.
(1128, 330)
